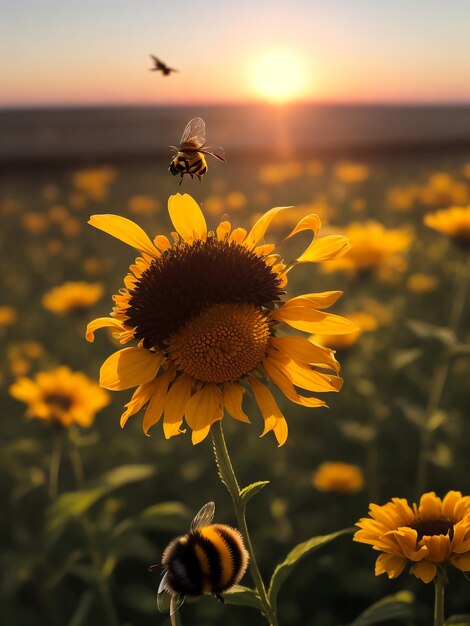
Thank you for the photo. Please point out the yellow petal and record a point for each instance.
(273, 418)
(261, 226)
(129, 367)
(309, 222)
(223, 230)
(238, 235)
(102, 322)
(125, 230)
(314, 322)
(306, 351)
(325, 249)
(140, 397)
(202, 410)
(390, 564)
(320, 300)
(279, 378)
(233, 399)
(175, 405)
(155, 408)
(187, 217)
(424, 570)
(304, 376)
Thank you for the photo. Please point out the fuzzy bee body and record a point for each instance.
(211, 558)
(189, 156)
(192, 163)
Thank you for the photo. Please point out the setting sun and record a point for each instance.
(279, 76)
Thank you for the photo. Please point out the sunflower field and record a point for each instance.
(176, 350)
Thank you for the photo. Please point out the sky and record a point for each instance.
(96, 52)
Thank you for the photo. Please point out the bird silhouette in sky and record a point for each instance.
(161, 67)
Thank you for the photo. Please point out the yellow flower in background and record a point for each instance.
(421, 283)
(434, 533)
(7, 315)
(442, 189)
(60, 395)
(34, 222)
(72, 296)
(348, 172)
(374, 247)
(206, 310)
(235, 201)
(453, 222)
(338, 477)
(143, 205)
(94, 182)
(365, 322)
(403, 199)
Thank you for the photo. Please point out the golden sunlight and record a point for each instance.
(279, 76)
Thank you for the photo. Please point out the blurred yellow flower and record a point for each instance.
(7, 315)
(143, 205)
(403, 198)
(453, 222)
(9, 206)
(214, 205)
(235, 201)
(434, 533)
(443, 189)
(94, 182)
(374, 247)
(348, 172)
(314, 168)
(281, 172)
(35, 222)
(32, 349)
(365, 322)
(421, 283)
(71, 227)
(54, 247)
(58, 213)
(338, 477)
(72, 296)
(60, 395)
(204, 311)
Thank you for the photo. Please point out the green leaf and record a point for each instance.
(84, 605)
(283, 570)
(396, 607)
(251, 490)
(163, 516)
(458, 620)
(243, 596)
(74, 504)
(402, 358)
(427, 332)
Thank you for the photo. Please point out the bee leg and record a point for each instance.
(191, 175)
(181, 180)
(219, 597)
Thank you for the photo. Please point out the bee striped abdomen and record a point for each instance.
(192, 163)
(208, 560)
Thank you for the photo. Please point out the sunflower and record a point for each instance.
(429, 535)
(61, 396)
(338, 477)
(72, 296)
(207, 313)
(374, 248)
(453, 222)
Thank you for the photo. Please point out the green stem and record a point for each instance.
(229, 478)
(439, 585)
(439, 377)
(96, 560)
(54, 467)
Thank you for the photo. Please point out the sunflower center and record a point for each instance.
(222, 344)
(187, 279)
(433, 526)
(58, 401)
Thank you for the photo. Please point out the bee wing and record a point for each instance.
(218, 153)
(204, 517)
(168, 601)
(194, 135)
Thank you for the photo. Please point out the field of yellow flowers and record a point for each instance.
(88, 506)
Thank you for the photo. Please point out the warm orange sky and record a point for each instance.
(326, 50)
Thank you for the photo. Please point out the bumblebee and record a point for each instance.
(189, 157)
(211, 558)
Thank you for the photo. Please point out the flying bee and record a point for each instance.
(161, 67)
(189, 157)
(211, 558)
